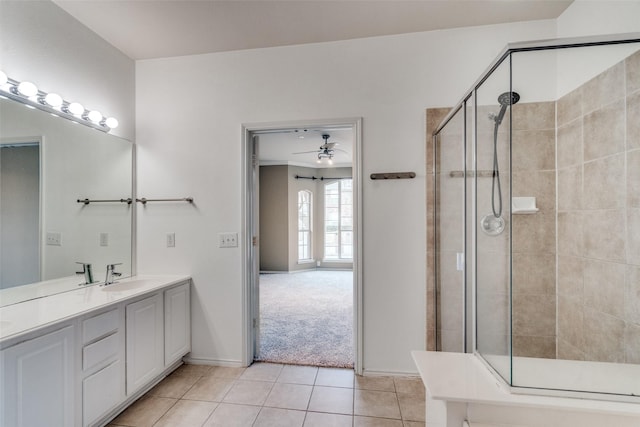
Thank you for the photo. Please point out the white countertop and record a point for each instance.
(38, 313)
(462, 377)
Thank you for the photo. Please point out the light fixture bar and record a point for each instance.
(27, 93)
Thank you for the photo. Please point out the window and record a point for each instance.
(304, 225)
(338, 220)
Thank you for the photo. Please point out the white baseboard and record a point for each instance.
(372, 373)
(214, 362)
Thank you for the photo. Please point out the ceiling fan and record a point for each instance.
(325, 151)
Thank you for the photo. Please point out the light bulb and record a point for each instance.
(111, 122)
(53, 100)
(3, 78)
(27, 89)
(94, 116)
(75, 108)
(330, 161)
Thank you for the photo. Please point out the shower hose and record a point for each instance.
(495, 179)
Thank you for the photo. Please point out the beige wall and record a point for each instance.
(274, 218)
(599, 217)
(279, 216)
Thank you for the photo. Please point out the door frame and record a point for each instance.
(250, 217)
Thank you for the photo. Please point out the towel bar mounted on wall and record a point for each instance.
(88, 201)
(393, 175)
(184, 199)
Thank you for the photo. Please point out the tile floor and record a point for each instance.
(276, 395)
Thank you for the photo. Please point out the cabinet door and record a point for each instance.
(102, 391)
(177, 333)
(145, 343)
(38, 381)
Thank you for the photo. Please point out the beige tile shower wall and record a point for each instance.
(433, 118)
(533, 235)
(599, 217)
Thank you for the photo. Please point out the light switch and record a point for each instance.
(171, 240)
(54, 239)
(228, 240)
(460, 261)
(104, 239)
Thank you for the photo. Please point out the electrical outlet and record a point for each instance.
(228, 240)
(171, 240)
(54, 239)
(104, 239)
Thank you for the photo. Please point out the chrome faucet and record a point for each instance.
(111, 273)
(88, 273)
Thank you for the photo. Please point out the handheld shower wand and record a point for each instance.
(506, 99)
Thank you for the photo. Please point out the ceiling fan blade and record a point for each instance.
(328, 145)
(306, 152)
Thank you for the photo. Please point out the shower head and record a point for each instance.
(505, 99)
(508, 98)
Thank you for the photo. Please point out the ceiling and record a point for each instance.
(144, 29)
(280, 148)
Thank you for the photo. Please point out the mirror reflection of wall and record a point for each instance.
(19, 213)
(76, 162)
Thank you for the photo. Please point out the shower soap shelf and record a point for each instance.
(523, 205)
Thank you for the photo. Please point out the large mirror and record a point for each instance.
(47, 163)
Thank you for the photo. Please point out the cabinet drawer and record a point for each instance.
(100, 351)
(99, 325)
(101, 392)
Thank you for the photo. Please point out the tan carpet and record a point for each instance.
(307, 318)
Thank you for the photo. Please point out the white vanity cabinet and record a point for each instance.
(103, 367)
(38, 387)
(177, 323)
(97, 351)
(145, 341)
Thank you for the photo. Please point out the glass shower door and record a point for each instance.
(449, 150)
(494, 98)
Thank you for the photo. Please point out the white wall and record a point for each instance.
(189, 115)
(586, 18)
(43, 44)
(589, 17)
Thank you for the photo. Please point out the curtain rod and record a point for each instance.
(321, 178)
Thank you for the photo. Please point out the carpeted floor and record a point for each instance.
(307, 318)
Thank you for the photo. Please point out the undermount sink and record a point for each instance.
(124, 286)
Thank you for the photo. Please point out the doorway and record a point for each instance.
(297, 260)
(20, 206)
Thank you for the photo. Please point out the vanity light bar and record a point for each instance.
(29, 94)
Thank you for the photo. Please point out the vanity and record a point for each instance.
(80, 357)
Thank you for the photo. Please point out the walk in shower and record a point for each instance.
(536, 210)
